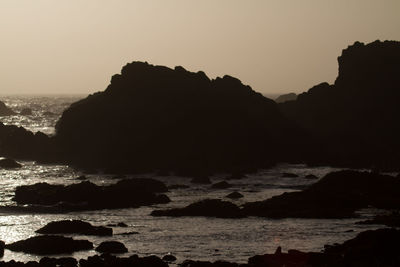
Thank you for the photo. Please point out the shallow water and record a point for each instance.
(195, 238)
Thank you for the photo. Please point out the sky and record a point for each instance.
(275, 46)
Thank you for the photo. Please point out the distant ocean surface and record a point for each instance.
(194, 238)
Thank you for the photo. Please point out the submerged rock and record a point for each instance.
(221, 185)
(207, 208)
(74, 227)
(9, 164)
(234, 195)
(337, 195)
(391, 220)
(49, 244)
(26, 112)
(111, 247)
(88, 196)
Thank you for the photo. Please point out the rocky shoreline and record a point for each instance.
(369, 248)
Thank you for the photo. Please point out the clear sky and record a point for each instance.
(275, 46)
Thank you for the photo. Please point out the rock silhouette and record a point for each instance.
(111, 247)
(157, 118)
(5, 111)
(286, 97)
(234, 195)
(88, 196)
(49, 244)
(337, 195)
(207, 208)
(355, 121)
(74, 227)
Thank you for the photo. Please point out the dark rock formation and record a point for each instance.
(5, 111)
(234, 195)
(157, 118)
(391, 220)
(221, 185)
(18, 143)
(371, 248)
(49, 244)
(26, 112)
(355, 121)
(9, 164)
(2, 245)
(207, 208)
(74, 227)
(337, 195)
(286, 97)
(169, 258)
(111, 247)
(88, 196)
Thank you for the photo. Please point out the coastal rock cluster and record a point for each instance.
(153, 118)
(370, 248)
(88, 196)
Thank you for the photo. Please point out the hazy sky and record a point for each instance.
(75, 46)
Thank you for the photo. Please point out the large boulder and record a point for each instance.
(5, 111)
(88, 196)
(111, 247)
(74, 227)
(157, 118)
(207, 208)
(337, 195)
(49, 244)
(355, 121)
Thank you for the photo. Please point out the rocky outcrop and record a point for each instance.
(157, 118)
(337, 195)
(74, 227)
(5, 111)
(355, 121)
(9, 164)
(17, 142)
(207, 208)
(49, 244)
(286, 97)
(370, 248)
(113, 247)
(88, 196)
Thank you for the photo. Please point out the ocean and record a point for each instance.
(195, 238)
